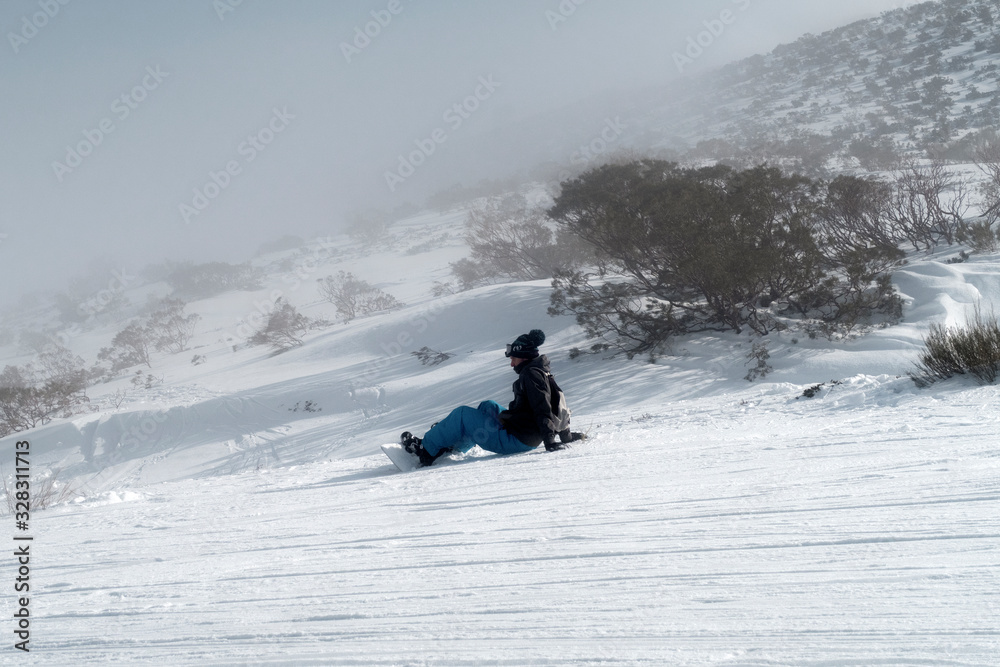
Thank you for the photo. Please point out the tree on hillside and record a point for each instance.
(929, 204)
(354, 297)
(170, 329)
(688, 250)
(284, 328)
(512, 241)
(855, 215)
(130, 347)
(987, 159)
(861, 243)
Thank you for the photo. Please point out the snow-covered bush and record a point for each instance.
(429, 357)
(284, 328)
(978, 235)
(31, 396)
(949, 351)
(758, 356)
(354, 297)
(145, 382)
(46, 491)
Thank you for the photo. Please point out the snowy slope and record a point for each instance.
(706, 521)
(919, 82)
(856, 528)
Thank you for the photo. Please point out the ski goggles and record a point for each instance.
(510, 348)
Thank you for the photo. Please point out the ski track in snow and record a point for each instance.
(762, 531)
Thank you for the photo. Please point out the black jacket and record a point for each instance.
(529, 417)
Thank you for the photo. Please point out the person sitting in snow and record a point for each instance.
(530, 421)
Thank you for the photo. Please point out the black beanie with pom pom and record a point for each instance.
(526, 345)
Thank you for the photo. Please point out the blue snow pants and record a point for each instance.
(466, 427)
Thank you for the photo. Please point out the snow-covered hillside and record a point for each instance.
(917, 82)
(241, 512)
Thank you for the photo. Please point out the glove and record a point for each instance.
(553, 446)
(574, 436)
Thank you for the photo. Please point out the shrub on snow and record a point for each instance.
(950, 351)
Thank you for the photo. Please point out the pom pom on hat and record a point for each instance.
(536, 337)
(526, 345)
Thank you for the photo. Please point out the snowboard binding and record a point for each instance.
(414, 445)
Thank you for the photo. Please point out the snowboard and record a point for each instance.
(401, 458)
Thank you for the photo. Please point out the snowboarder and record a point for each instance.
(533, 417)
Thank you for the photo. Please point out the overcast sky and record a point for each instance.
(140, 130)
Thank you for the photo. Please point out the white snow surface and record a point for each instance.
(218, 521)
